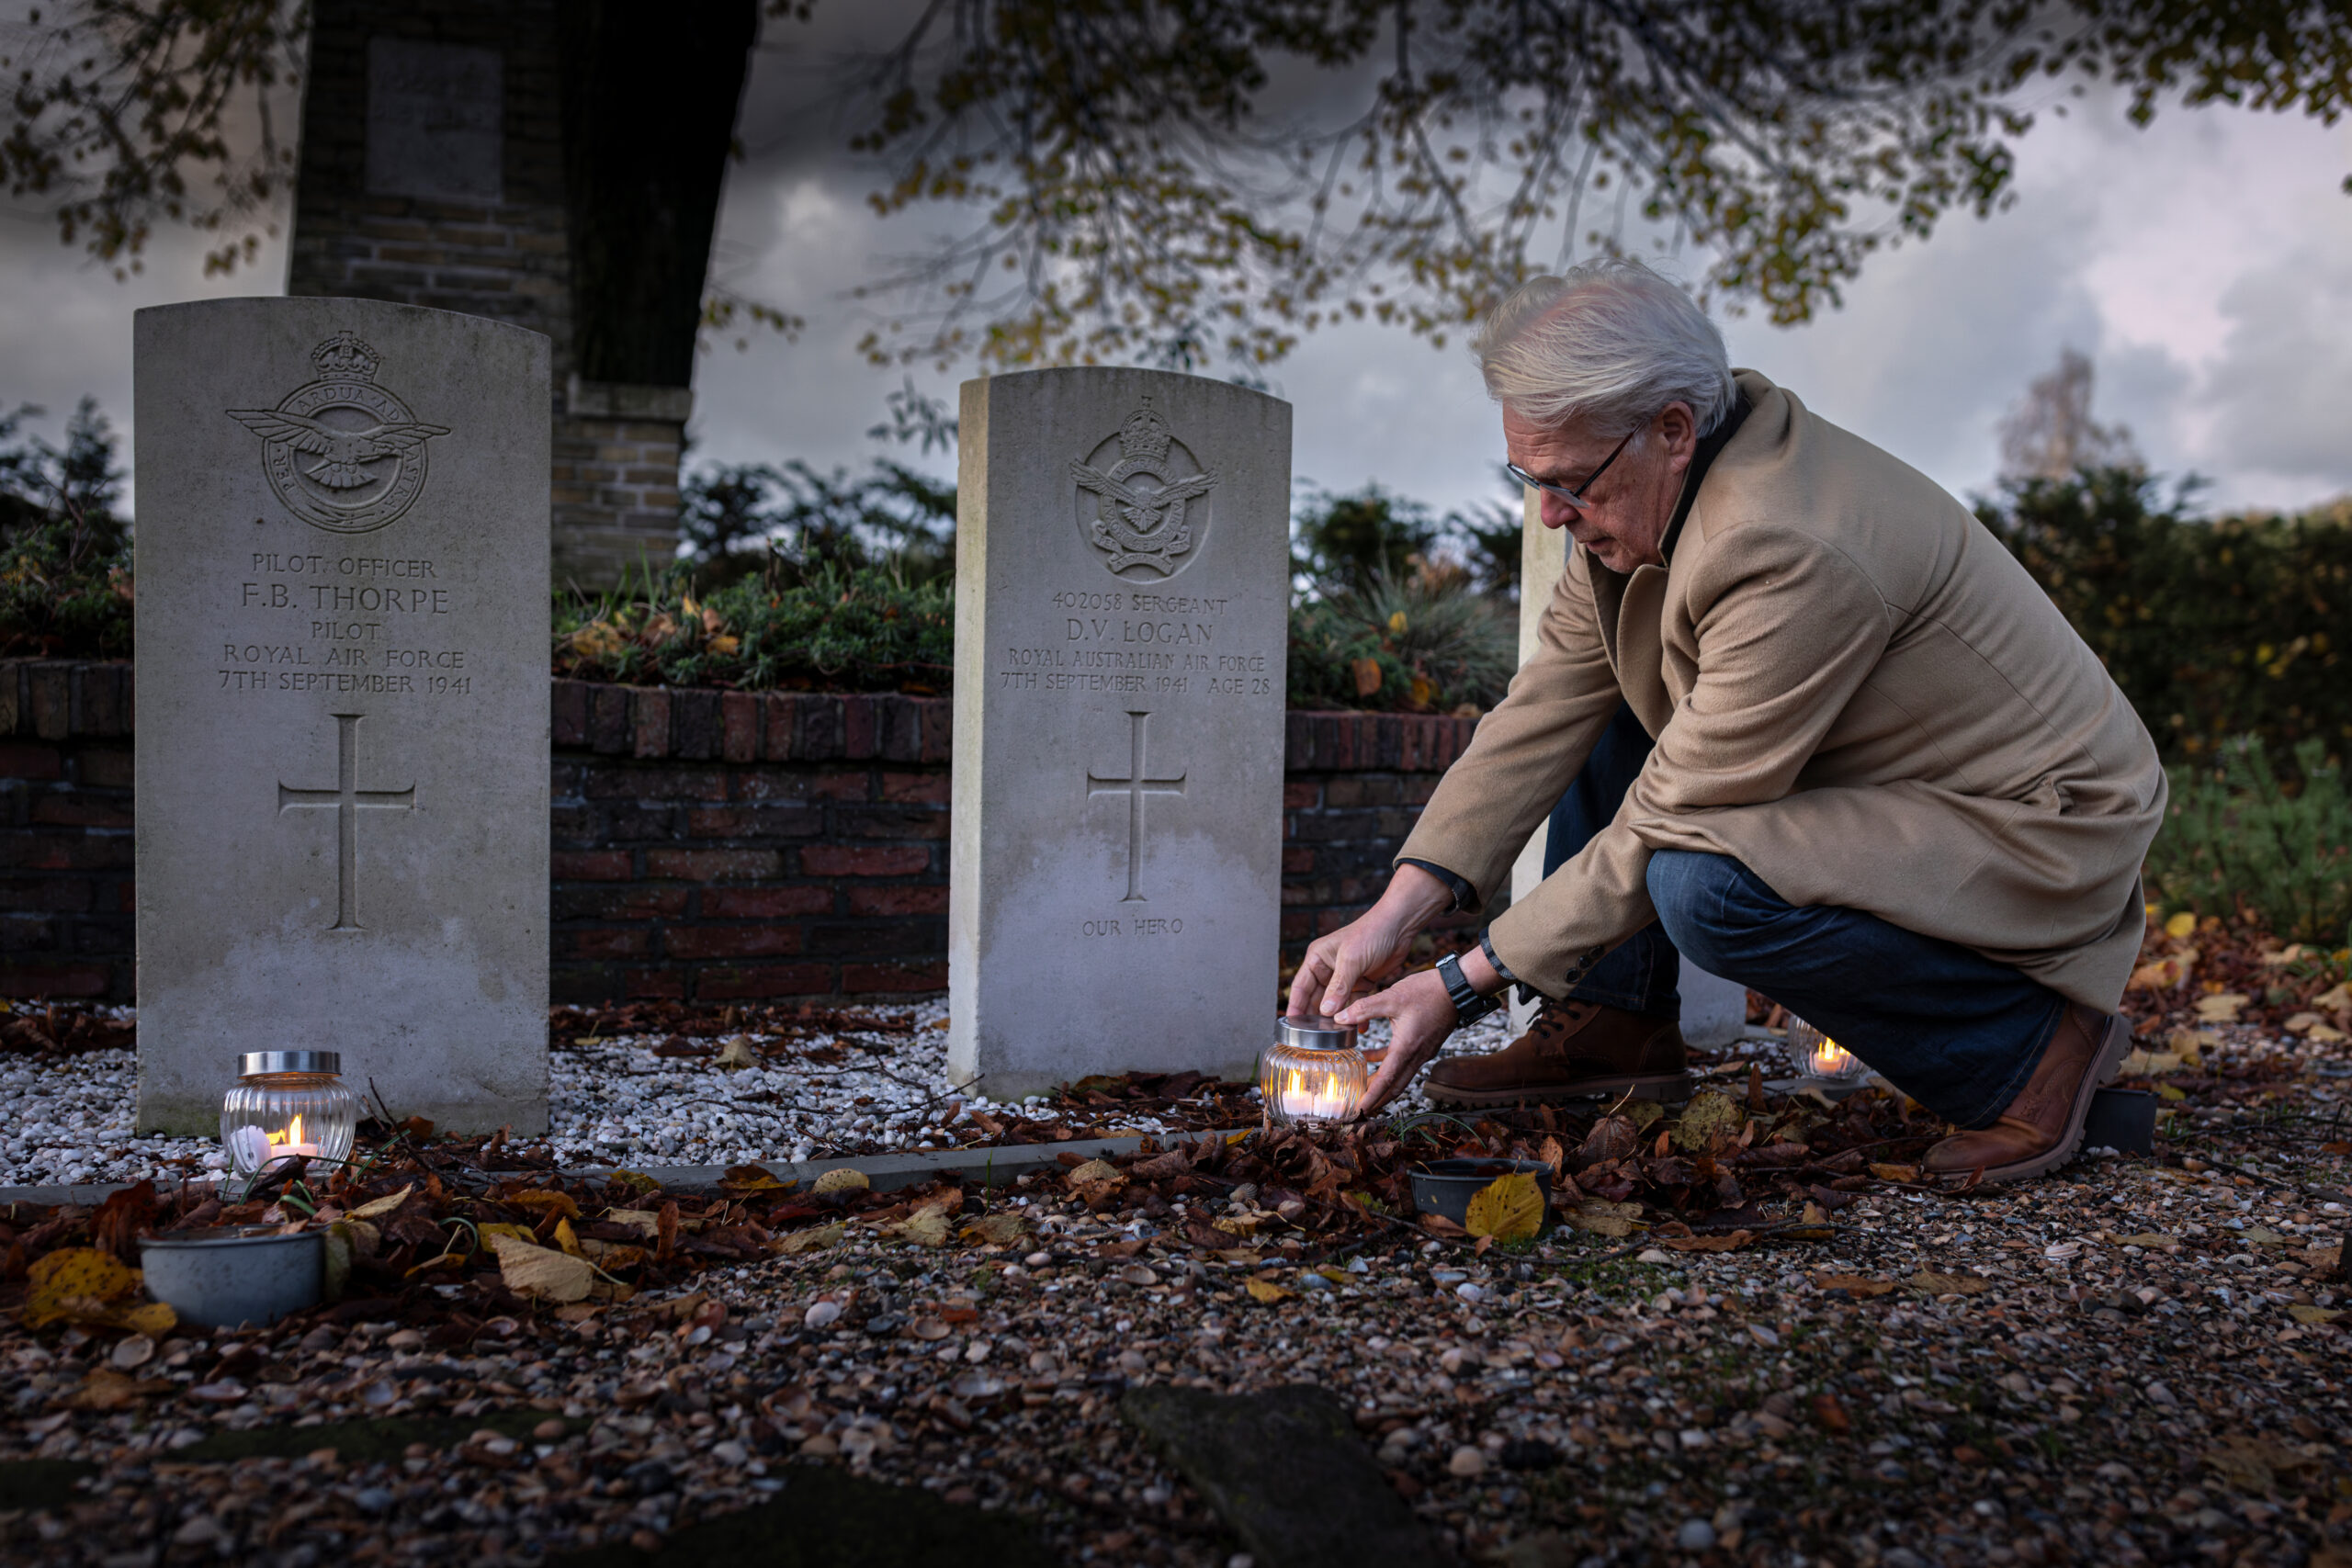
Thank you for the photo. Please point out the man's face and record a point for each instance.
(1626, 510)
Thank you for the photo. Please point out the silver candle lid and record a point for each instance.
(249, 1063)
(1315, 1033)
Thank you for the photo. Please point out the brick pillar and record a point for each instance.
(616, 450)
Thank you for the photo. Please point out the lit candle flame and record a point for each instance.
(1323, 1097)
(292, 1138)
(1831, 1060)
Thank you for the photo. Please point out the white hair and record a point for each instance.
(1612, 341)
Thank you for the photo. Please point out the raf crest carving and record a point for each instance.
(340, 452)
(1138, 510)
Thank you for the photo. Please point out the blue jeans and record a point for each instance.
(1640, 973)
(1953, 1030)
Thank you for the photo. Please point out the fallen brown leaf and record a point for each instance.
(1731, 1242)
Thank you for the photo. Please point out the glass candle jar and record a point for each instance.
(1815, 1055)
(1314, 1072)
(287, 1102)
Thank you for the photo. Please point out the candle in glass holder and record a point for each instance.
(1817, 1056)
(288, 1103)
(1314, 1072)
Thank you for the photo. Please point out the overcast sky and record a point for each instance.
(2204, 264)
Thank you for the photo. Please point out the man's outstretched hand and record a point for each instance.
(1368, 948)
(1421, 1015)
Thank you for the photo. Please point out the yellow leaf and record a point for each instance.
(1265, 1291)
(742, 1180)
(1510, 1207)
(1396, 624)
(926, 1228)
(644, 1222)
(2221, 1007)
(492, 1230)
(809, 1240)
(75, 1282)
(995, 1230)
(2314, 1314)
(1096, 1170)
(597, 639)
(1367, 675)
(566, 1238)
(546, 1200)
(1950, 1284)
(2166, 1092)
(154, 1319)
(841, 1179)
(2180, 925)
(1708, 1117)
(540, 1271)
(726, 644)
(1895, 1172)
(382, 1206)
(1602, 1217)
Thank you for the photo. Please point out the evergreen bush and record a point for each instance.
(2236, 840)
(2212, 629)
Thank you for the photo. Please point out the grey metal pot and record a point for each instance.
(1445, 1187)
(220, 1279)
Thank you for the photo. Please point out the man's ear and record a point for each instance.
(1678, 428)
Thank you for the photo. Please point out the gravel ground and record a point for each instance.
(2107, 1366)
(611, 1102)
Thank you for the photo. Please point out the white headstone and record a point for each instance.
(342, 717)
(1122, 605)
(1714, 1010)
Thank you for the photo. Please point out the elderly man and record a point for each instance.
(1825, 736)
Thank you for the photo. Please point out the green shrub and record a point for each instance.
(2236, 840)
(64, 553)
(1426, 642)
(860, 628)
(2212, 629)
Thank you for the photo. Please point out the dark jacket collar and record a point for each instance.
(1710, 446)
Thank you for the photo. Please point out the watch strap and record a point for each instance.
(1468, 1005)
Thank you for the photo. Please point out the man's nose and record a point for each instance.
(1555, 511)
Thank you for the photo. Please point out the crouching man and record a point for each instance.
(1795, 714)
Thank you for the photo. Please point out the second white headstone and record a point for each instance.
(1121, 588)
(343, 705)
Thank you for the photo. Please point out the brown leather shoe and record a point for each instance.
(1572, 1050)
(2043, 1126)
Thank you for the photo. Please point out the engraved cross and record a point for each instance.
(347, 800)
(1134, 786)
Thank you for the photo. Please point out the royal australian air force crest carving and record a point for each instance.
(341, 453)
(1146, 511)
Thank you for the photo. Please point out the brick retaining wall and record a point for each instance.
(706, 845)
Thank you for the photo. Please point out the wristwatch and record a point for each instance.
(1469, 1007)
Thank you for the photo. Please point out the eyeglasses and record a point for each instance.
(1573, 497)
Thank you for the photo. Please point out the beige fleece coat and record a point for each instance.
(1855, 691)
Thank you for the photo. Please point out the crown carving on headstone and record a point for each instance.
(344, 357)
(1143, 438)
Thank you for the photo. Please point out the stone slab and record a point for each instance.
(826, 1518)
(1122, 593)
(1285, 1469)
(342, 728)
(435, 120)
(887, 1173)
